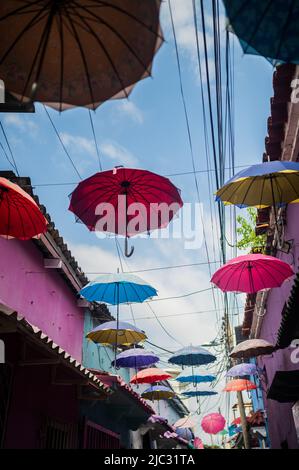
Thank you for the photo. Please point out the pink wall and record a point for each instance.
(281, 425)
(42, 296)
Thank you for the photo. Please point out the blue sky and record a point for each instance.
(148, 131)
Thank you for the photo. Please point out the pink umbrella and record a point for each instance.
(251, 273)
(213, 423)
(198, 444)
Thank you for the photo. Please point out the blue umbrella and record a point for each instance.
(192, 356)
(135, 358)
(118, 288)
(185, 433)
(199, 393)
(195, 377)
(241, 370)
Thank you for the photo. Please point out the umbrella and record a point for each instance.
(223, 433)
(265, 184)
(192, 356)
(195, 377)
(116, 333)
(109, 200)
(173, 372)
(251, 273)
(199, 393)
(266, 27)
(186, 422)
(242, 369)
(76, 53)
(238, 385)
(185, 433)
(20, 216)
(213, 423)
(149, 376)
(135, 358)
(117, 288)
(198, 444)
(252, 348)
(158, 392)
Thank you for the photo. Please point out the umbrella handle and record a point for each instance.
(127, 252)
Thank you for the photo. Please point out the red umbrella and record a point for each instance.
(149, 376)
(213, 423)
(125, 201)
(251, 273)
(238, 385)
(20, 216)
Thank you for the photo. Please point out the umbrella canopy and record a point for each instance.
(198, 444)
(251, 273)
(109, 200)
(195, 377)
(68, 53)
(118, 288)
(116, 333)
(158, 392)
(192, 356)
(262, 185)
(267, 28)
(173, 372)
(242, 369)
(213, 423)
(199, 393)
(185, 433)
(135, 358)
(186, 422)
(20, 216)
(149, 376)
(252, 348)
(223, 433)
(238, 385)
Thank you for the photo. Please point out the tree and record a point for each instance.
(246, 232)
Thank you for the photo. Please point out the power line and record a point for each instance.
(189, 313)
(180, 296)
(95, 140)
(14, 164)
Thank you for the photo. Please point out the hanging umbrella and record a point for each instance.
(173, 372)
(158, 392)
(135, 358)
(195, 377)
(108, 202)
(242, 369)
(265, 184)
(199, 393)
(265, 27)
(117, 288)
(223, 433)
(251, 273)
(213, 423)
(77, 53)
(252, 348)
(238, 385)
(192, 356)
(186, 422)
(116, 334)
(149, 376)
(198, 444)
(20, 216)
(185, 433)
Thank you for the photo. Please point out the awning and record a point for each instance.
(289, 327)
(12, 322)
(285, 387)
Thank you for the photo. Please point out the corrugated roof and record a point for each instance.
(24, 326)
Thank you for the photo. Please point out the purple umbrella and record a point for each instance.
(135, 358)
(241, 370)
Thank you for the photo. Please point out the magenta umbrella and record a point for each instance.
(213, 423)
(251, 273)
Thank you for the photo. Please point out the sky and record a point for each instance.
(149, 131)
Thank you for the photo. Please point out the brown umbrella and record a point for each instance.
(252, 348)
(67, 53)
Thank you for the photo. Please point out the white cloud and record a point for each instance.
(22, 123)
(118, 153)
(78, 143)
(128, 108)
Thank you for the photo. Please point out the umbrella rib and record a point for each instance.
(291, 184)
(285, 26)
(77, 39)
(258, 25)
(60, 29)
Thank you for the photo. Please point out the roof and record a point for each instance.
(116, 380)
(9, 316)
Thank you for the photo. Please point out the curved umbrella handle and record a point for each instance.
(127, 252)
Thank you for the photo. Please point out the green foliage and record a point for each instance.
(246, 232)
